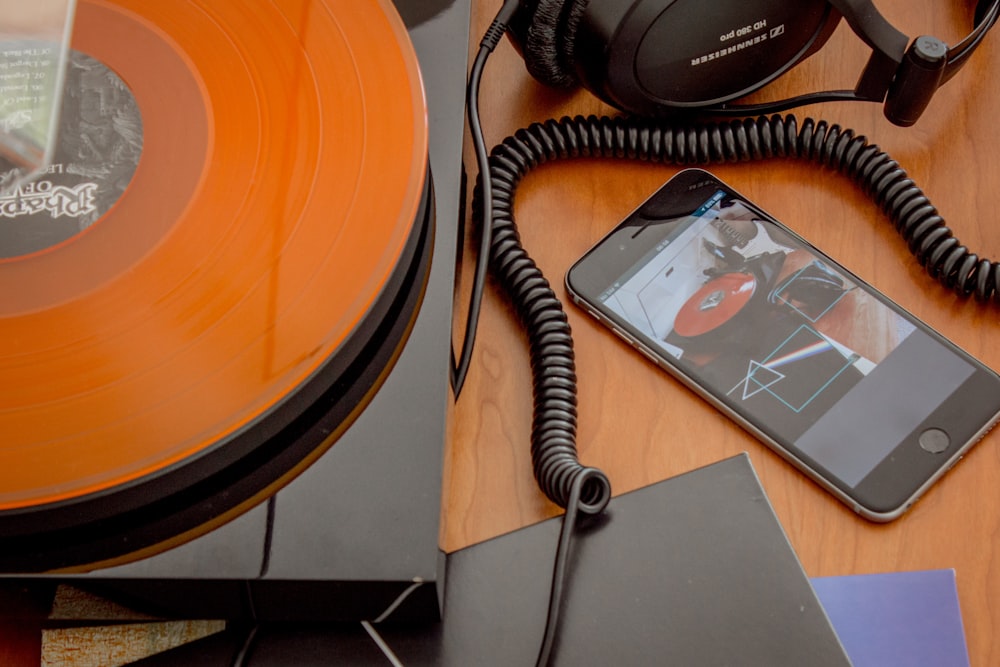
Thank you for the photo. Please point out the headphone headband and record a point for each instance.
(653, 57)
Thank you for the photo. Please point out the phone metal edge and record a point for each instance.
(851, 502)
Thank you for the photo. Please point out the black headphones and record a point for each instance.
(654, 57)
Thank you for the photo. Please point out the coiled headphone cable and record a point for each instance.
(553, 445)
(917, 221)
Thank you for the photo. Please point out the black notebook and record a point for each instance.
(695, 570)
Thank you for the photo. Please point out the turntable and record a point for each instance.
(223, 379)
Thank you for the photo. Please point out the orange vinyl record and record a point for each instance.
(716, 304)
(254, 191)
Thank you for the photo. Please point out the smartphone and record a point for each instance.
(858, 394)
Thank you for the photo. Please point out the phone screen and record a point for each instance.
(792, 344)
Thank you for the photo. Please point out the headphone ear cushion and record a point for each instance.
(548, 42)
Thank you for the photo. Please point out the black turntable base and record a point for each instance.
(323, 502)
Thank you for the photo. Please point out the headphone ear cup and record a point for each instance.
(547, 41)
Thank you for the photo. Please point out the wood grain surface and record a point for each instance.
(640, 426)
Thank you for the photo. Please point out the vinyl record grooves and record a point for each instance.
(210, 330)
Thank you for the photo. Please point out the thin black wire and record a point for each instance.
(559, 570)
(571, 485)
(496, 31)
(265, 560)
(241, 659)
(960, 52)
(242, 656)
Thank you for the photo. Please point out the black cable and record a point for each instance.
(243, 655)
(559, 571)
(985, 17)
(496, 31)
(265, 559)
(553, 440)
(569, 484)
(554, 426)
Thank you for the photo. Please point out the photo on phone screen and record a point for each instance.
(855, 391)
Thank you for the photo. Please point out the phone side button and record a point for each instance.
(934, 440)
(649, 355)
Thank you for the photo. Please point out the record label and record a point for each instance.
(97, 152)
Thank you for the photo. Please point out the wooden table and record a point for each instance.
(640, 426)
